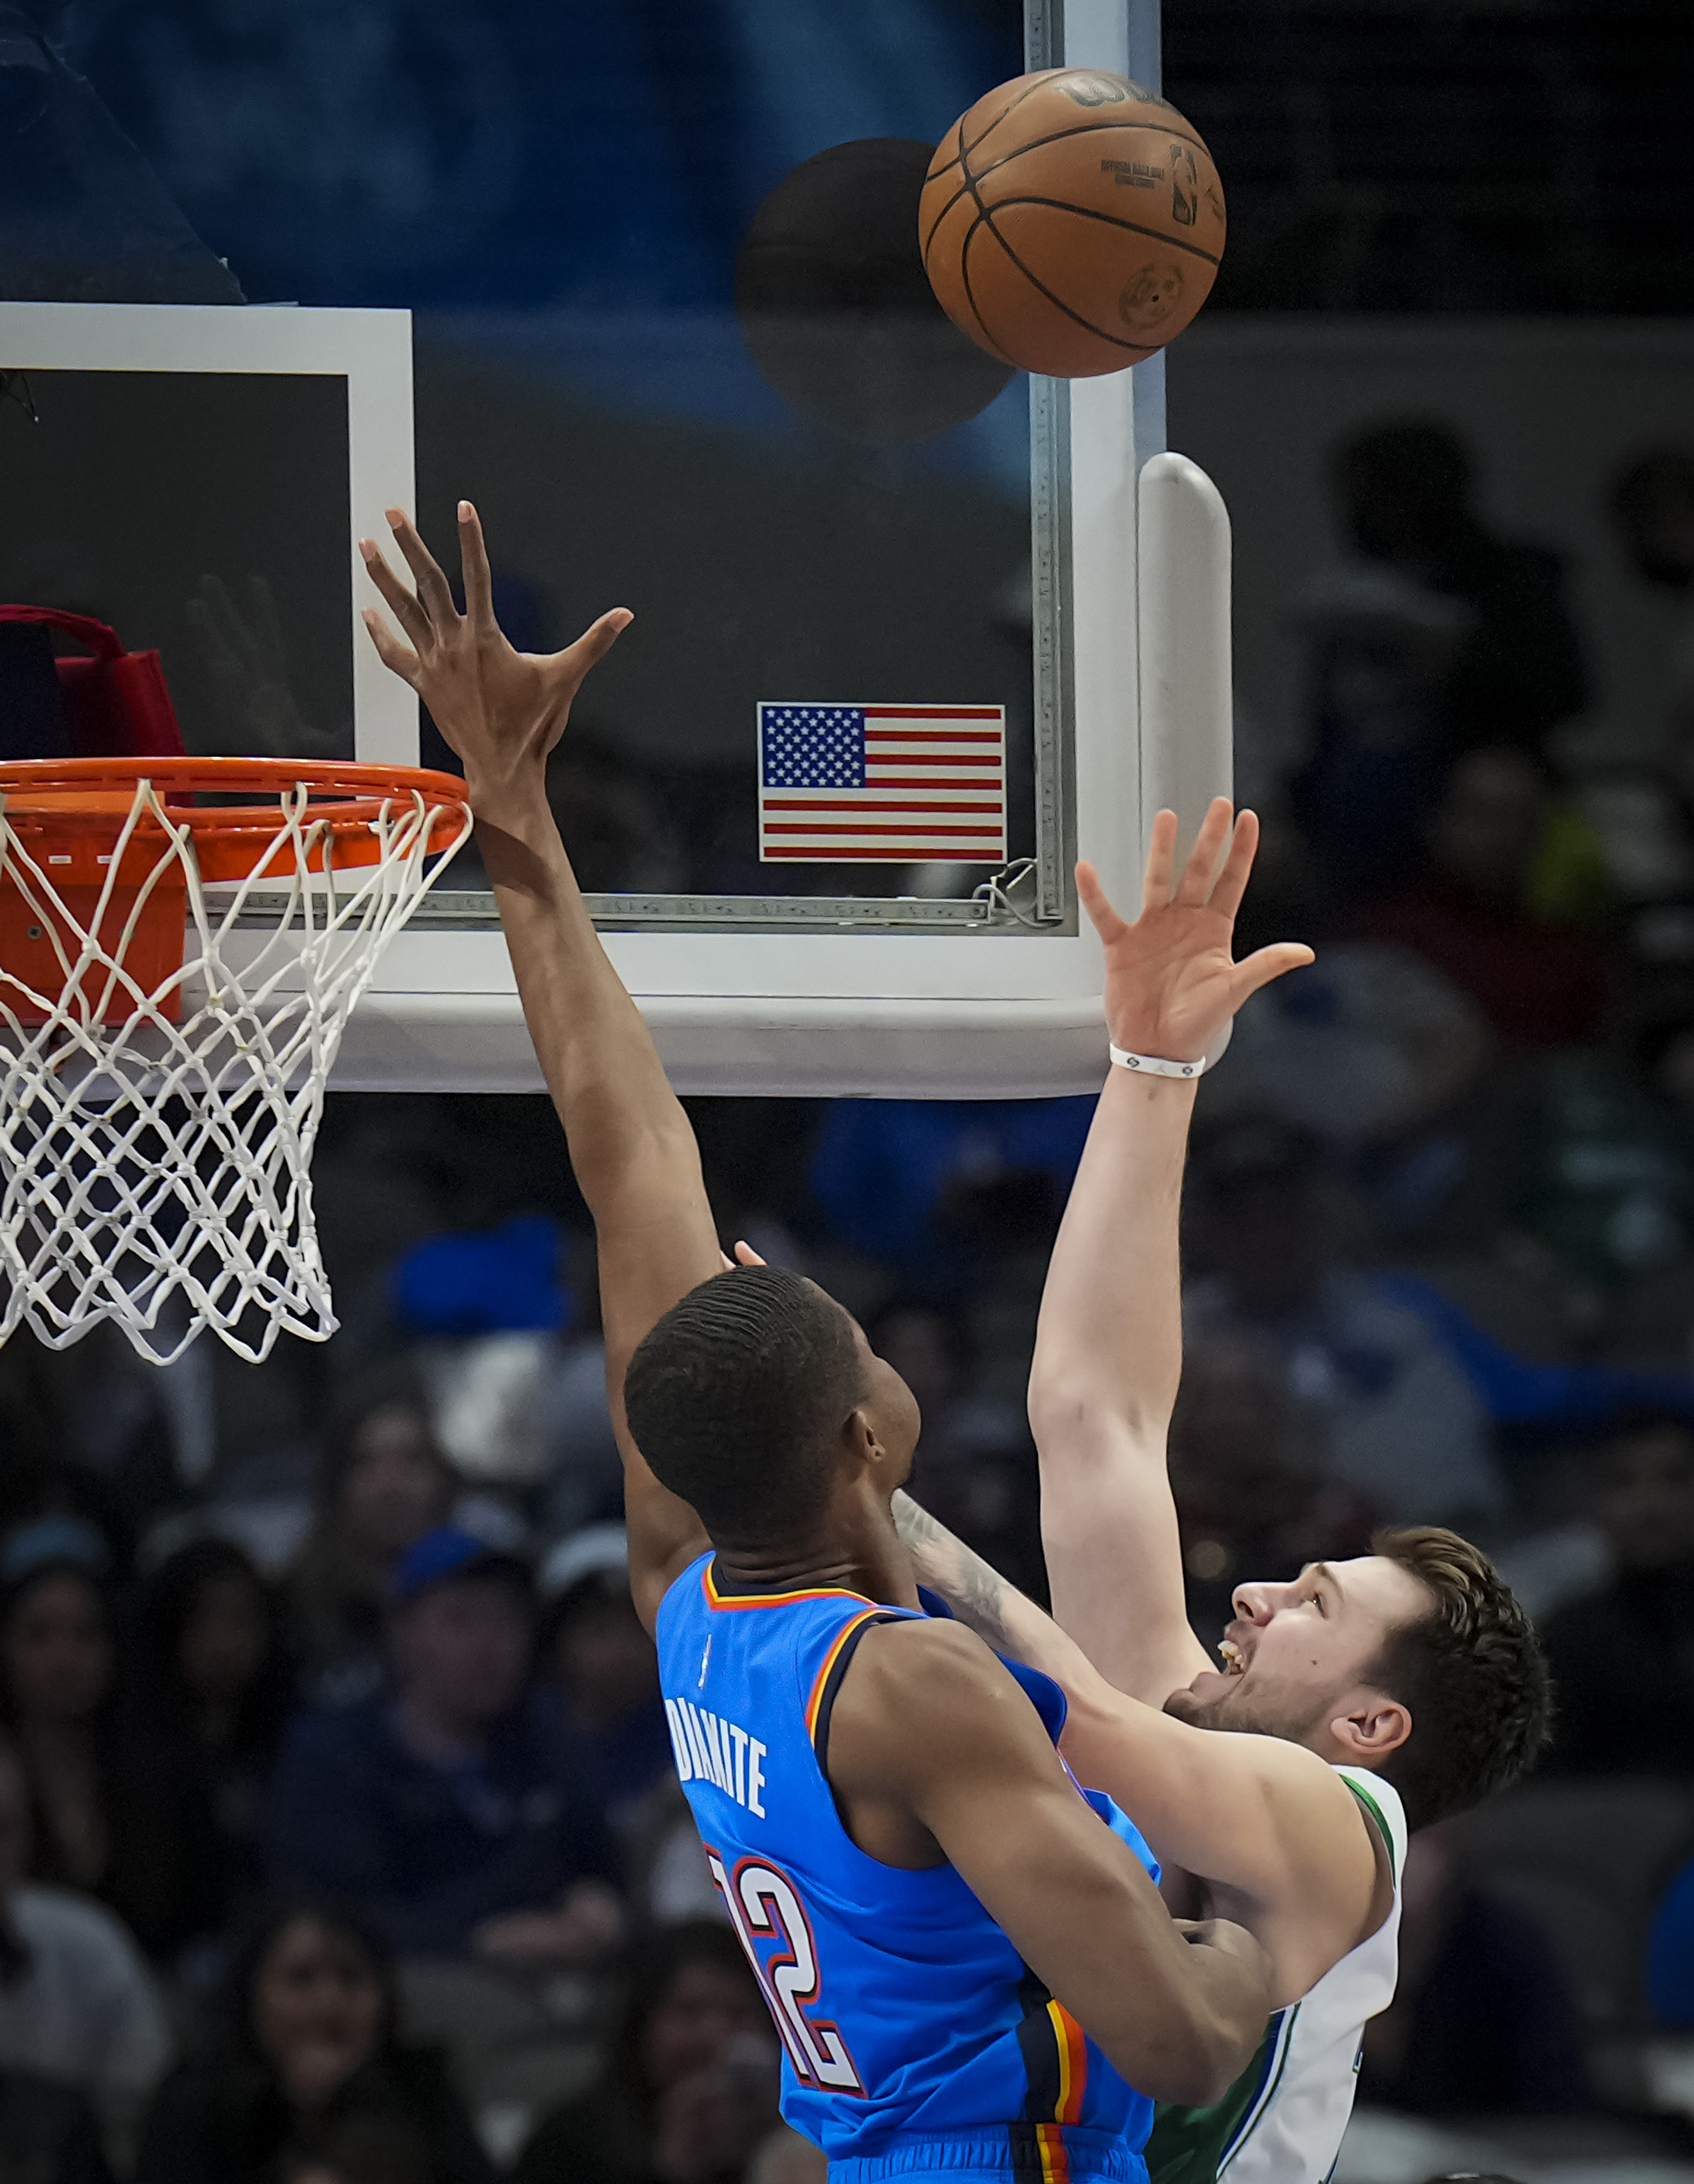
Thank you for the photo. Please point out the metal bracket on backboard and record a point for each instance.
(462, 911)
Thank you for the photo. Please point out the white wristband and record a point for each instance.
(1153, 1065)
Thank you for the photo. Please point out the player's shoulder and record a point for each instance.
(923, 1697)
(927, 1667)
(1292, 1776)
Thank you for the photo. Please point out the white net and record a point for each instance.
(157, 1114)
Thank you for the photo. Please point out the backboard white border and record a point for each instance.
(371, 350)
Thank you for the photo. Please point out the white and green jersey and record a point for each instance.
(1281, 2122)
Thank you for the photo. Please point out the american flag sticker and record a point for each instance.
(898, 784)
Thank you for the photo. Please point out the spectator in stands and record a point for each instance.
(1540, 981)
(110, 1815)
(1401, 1424)
(310, 2067)
(1430, 637)
(77, 2004)
(1623, 1659)
(215, 1687)
(690, 2090)
(383, 1484)
(596, 1652)
(451, 1803)
(1370, 1045)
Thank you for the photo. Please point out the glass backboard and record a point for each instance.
(819, 502)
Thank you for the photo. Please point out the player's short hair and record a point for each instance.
(736, 1397)
(1470, 1672)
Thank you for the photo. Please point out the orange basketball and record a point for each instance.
(1072, 222)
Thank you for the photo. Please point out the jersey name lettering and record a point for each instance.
(709, 1749)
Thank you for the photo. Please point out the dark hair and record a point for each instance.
(669, 1953)
(1471, 1672)
(151, 1870)
(736, 1396)
(282, 1908)
(385, 1387)
(12, 1598)
(167, 1605)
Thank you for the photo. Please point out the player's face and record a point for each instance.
(1298, 1655)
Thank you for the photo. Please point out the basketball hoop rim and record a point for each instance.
(68, 801)
(329, 781)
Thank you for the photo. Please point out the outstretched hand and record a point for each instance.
(1171, 982)
(501, 710)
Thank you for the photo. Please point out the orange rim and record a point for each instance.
(332, 779)
(78, 802)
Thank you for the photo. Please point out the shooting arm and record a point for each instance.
(632, 1148)
(1108, 1350)
(630, 1144)
(928, 1722)
(1108, 1356)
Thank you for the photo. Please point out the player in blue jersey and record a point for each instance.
(969, 1964)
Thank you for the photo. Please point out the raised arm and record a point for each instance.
(631, 1146)
(929, 1724)
(1108, 1352)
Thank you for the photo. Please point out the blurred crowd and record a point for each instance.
(339, 1834)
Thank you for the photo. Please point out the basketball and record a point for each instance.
(1072, 223)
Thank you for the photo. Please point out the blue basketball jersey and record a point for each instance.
(913, 2035)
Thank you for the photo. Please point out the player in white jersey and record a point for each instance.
(1354, 1700)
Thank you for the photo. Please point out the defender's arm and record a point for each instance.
(631, 1146)
(1108, 1350)
(1256, 1814)
(928, 1728)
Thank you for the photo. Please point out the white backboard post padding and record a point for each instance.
(1187, 694)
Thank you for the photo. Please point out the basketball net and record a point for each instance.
(174, 980)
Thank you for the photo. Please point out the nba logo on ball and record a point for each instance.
(1072, 223)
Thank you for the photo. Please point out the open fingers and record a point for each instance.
(1094, 898)
(1156, 880)
(1238, 866)
(599, 638)
(572, 664)
(406, 610)
(398, 658)
(1267, 963)
(746, 1256)
(1195, 883)
(433, 589)
(473, 563)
